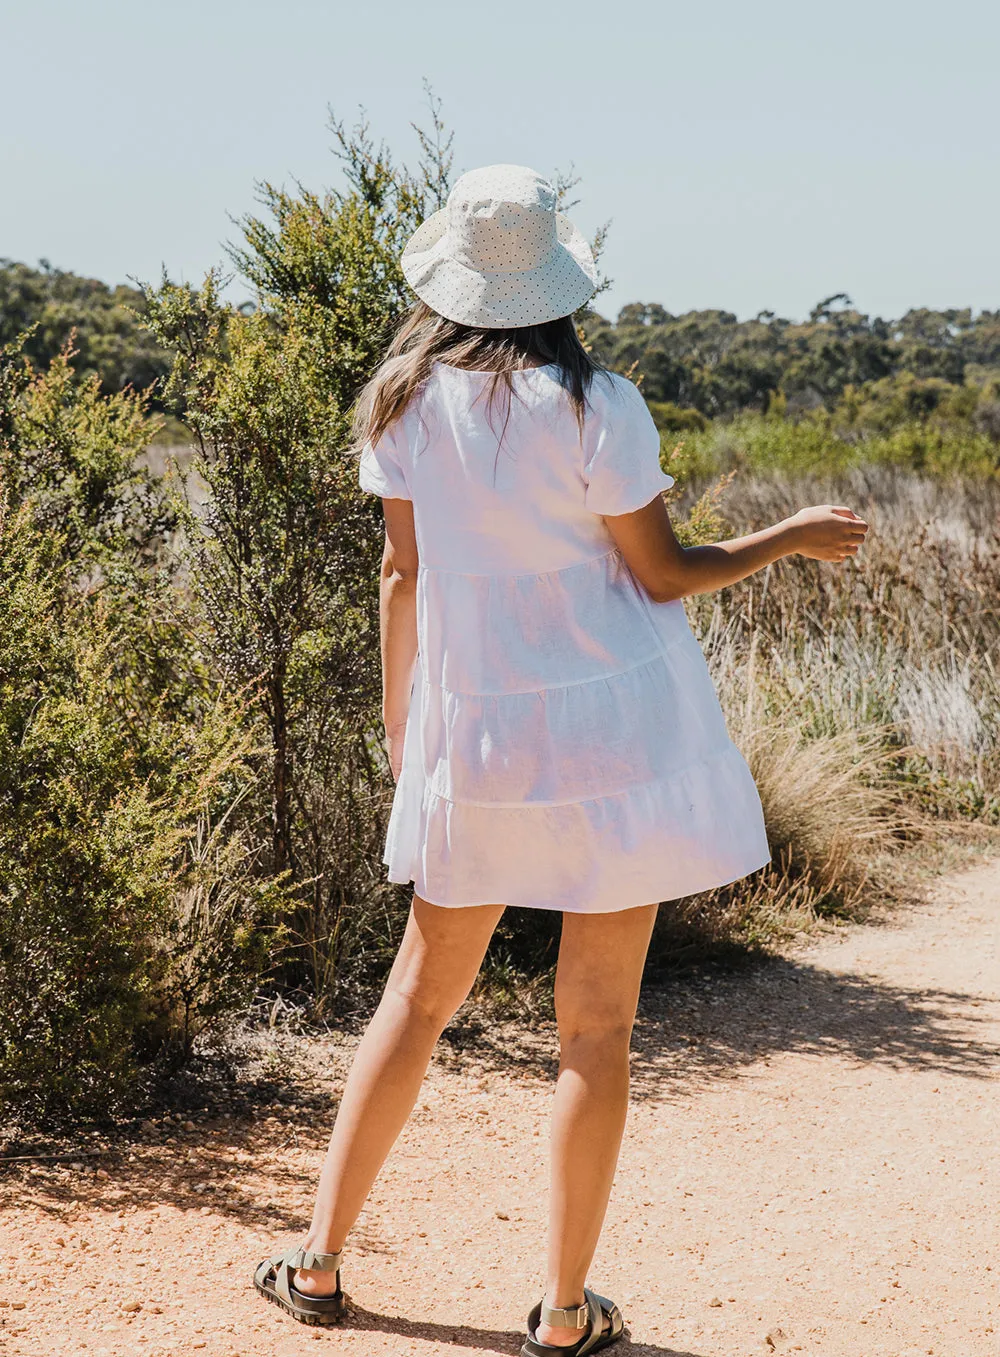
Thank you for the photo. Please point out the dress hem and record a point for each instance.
(563, 909)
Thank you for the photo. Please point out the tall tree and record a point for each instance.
(285, 549)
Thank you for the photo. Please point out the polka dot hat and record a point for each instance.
(499, 255)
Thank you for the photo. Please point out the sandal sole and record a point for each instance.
(303, 1316)
(599, 1346)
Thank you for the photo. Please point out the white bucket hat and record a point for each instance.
(499, 255)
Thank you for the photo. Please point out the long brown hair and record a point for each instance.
(424, 338)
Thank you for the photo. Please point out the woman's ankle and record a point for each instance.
(554, 1334)
(320, 1240)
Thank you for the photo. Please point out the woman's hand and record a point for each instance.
(826, 532)
(394, 736)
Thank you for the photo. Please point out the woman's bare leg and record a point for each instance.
(601, 957)
(438, 959)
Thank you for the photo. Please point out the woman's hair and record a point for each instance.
(424, 338)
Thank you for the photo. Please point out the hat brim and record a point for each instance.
(502, 300)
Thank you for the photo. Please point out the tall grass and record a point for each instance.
(865, 697)
(906, 636)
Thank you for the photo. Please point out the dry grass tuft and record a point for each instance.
(865, 698)
(829, 809)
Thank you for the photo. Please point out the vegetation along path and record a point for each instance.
(810, 1167)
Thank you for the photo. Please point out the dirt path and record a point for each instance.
(811, 1166)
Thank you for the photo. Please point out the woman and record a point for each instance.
(550, 720)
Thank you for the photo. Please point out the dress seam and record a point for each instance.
(724, 751)
(516, 575)
(556, 687)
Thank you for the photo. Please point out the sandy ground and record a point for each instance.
(811, 1166)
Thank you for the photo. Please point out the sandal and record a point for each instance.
(600, 1317)
(273, 1279)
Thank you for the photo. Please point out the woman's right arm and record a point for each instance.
(398, 623)
(667, 571)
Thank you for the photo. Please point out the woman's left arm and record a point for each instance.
(398, 623)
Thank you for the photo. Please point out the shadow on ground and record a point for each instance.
(485, 1340)
(701, 1028)
(711, 1024)
(788, 1005)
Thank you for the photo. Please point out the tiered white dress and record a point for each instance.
(565, 748)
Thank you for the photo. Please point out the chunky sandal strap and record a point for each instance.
(575, 1317)
(320, 1262)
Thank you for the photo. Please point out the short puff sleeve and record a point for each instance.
(623, 472)
(381, 469)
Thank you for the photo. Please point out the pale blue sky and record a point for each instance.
(750, 155)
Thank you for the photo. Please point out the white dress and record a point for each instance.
(565, 748)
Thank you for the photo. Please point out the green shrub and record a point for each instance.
(941, 451)
(756, 444)
(123, 924)
(132, 905)
(771, 444)
(85, 850)
(673, 419)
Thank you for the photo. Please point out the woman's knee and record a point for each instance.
(425, 1005)
(594, 1028)
(601, 958)
(438, 960)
